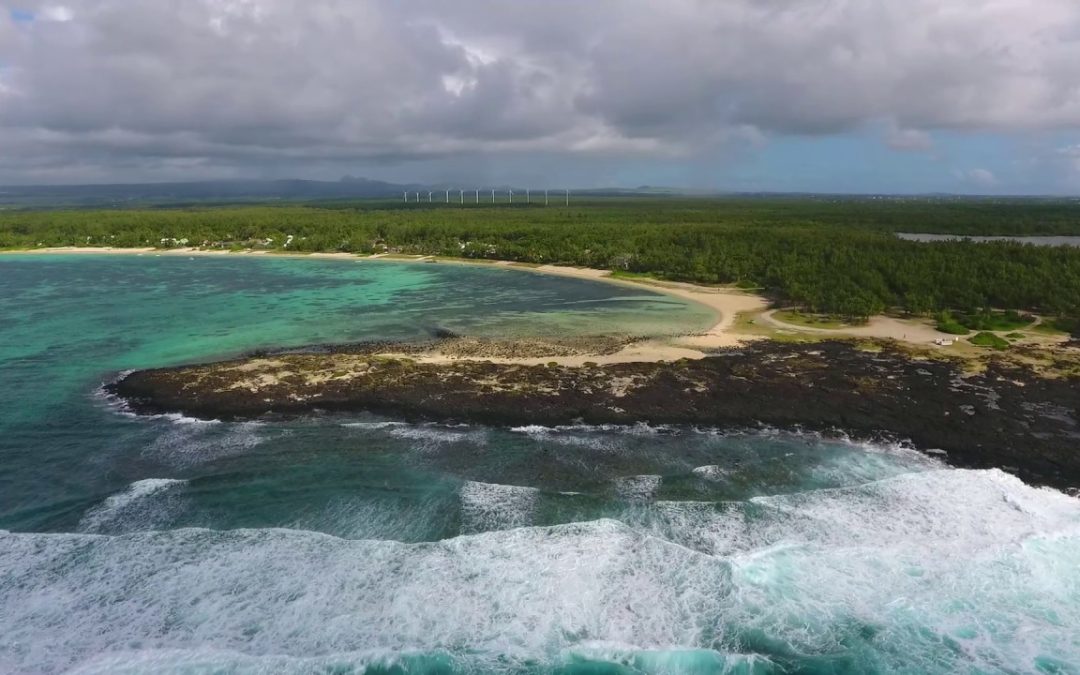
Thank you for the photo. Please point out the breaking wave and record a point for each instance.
(435, 435)
(146, 505)
(937, 571)
(487, 506)
(639, 429)
(188, 441)
(373, 425)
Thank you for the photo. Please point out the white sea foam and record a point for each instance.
(647, 661)
(880, 446)
(934, 513)
(430, 434)
(891, 448)
(673, 661)
(579, 437)
(488, 506)
(509, 596)
(533, 430)
(938, 571)
(373, 425)
(189, 661)
(639, 429)
(637, 488)
(976, 559)
(972, 559)
(869, 463)
(711, 472)
(188, 442)
(121, 407)
(178, 418)
(607, 438)
(146, 504)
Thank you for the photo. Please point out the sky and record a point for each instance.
(848, 96)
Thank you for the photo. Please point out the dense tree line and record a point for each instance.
(835, 257)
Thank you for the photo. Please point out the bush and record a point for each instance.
(947, 324)
(990, 340)
(1066, 325)
(997, 321)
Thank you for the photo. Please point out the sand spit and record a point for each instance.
(727, 302)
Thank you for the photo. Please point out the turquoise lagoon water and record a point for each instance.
(342, 544)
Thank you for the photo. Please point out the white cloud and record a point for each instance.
(982, 178)
(230, 83)
(57, 13)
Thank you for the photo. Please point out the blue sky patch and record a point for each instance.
(21, 15)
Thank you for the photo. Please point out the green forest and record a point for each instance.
(831, 256)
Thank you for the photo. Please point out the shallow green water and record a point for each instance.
(334, 544)
(70, 322)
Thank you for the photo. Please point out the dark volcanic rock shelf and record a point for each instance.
(1006, 416)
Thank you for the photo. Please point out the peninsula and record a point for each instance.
(890, 378)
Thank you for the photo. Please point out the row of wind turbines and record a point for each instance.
(461, 196)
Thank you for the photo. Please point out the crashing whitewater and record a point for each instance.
(940, 570)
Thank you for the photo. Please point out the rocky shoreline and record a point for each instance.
(1006, 415)
(451, 346)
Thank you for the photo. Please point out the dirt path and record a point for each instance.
(882, 327)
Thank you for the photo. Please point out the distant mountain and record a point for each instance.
(196, 192)
(255, 191)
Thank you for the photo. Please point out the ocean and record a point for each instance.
(359, 544)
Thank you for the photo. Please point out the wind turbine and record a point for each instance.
(528, 196)
(461, 195)
(406, 196)
(478, 196)
(545, 197)
(429, 197)
(448, 196)
(492, 196)
(417, 197)
(511, 190)
(568, 198)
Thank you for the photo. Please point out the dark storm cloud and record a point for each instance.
(103, 88)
